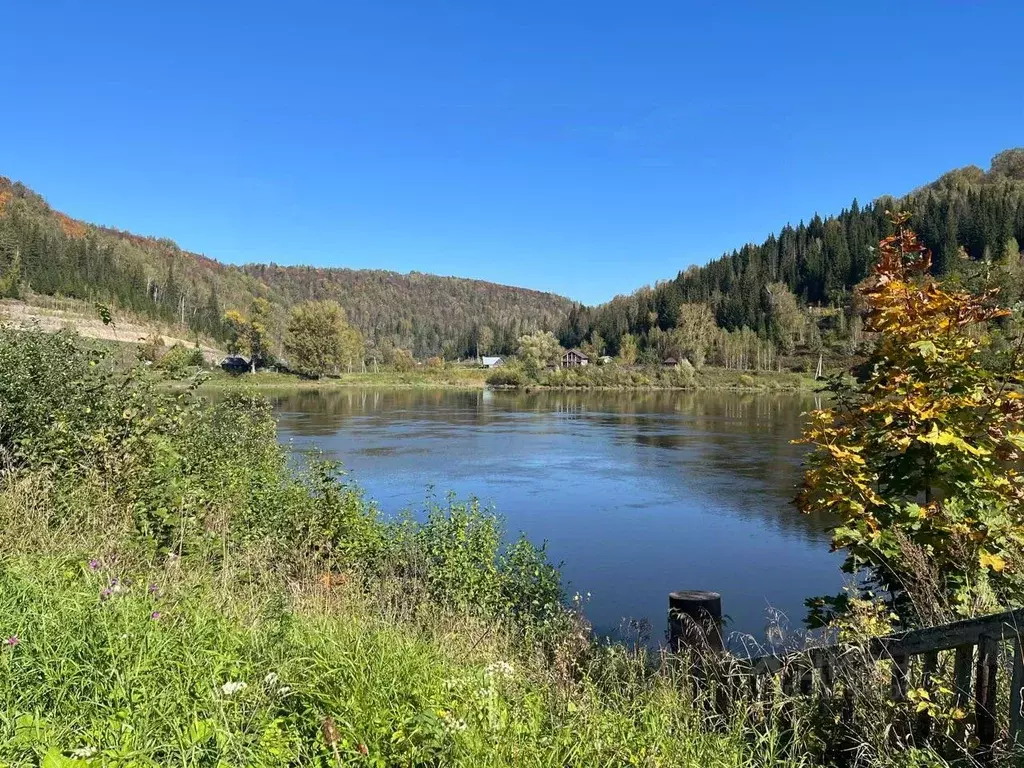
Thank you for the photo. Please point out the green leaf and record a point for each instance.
(54, 758)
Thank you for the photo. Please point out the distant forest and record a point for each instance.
(792, 292)
(967, 216)
(46, 252)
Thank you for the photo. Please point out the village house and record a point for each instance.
(574, 358)
(491, 362)
(670, 362)
(235, 364)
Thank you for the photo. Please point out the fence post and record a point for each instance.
(985, 696)
(1016, 683)
(695, 620)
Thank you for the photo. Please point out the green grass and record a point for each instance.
(475, 378)
(416, 685)
(449, 377)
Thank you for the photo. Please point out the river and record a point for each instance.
(637, 494)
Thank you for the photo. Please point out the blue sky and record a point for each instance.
(585, 148)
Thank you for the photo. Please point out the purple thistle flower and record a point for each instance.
(12, 641)
(153, 589)
(94, 565)
(155, 615)
(105, 594)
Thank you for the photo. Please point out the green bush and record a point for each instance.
(180, 359)
(507, 376)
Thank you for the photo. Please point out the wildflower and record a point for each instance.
(271, 679)
(94, 565)
(284, 690)
(454, 724)
(12, 641)
(153, 589)
(500, 669)
(155, 615)
(84, 752)
(105, 594)
(363, 749)
(230, 688)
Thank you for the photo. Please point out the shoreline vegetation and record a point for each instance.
(710, 379)
(175, 590)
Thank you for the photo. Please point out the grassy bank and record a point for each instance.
(475, 378)
(173, 591)
(615, 377)
(449, 377)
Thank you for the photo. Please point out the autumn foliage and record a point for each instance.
(920, 457)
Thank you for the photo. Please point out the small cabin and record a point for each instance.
(670, 362)
(574, 358)
(492, 362)
(234, 364)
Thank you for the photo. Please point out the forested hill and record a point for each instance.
(44, 251)
(967, 215)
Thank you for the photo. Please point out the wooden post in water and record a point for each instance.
(695, 621)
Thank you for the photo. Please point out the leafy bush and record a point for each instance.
(507, 376)
(180, 359)
(153, 348)
(921, 457)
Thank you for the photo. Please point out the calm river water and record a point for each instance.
(636, 493)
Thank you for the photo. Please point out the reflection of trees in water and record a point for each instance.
(740, 442)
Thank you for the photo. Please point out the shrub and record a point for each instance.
(920, 459)
(180, 359)
(153, 348)
(507, 376)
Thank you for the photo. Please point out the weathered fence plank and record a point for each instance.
(694, 621)
(1016, 683)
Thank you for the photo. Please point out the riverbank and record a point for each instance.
(176, 590)
(709, 379)
(442, 378)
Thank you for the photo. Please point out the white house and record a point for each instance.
(491, 362)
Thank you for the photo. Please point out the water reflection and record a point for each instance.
(639, 493)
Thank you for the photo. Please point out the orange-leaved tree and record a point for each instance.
(920, 458)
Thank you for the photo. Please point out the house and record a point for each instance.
(234, 364)
(670, 362)
(574, 358)
(491, 362)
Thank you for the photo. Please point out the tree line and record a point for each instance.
(43, 251)
(967, 216)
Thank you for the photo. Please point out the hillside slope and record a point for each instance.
(46, 252)
(966, 216)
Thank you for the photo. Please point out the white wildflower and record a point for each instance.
(232, 687)
(454, 724)
(84, 752)
(284, 690)
(271, 679)
(500, 669)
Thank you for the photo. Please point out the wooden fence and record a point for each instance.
(975, 645)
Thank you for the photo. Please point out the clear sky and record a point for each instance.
(585, 148)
